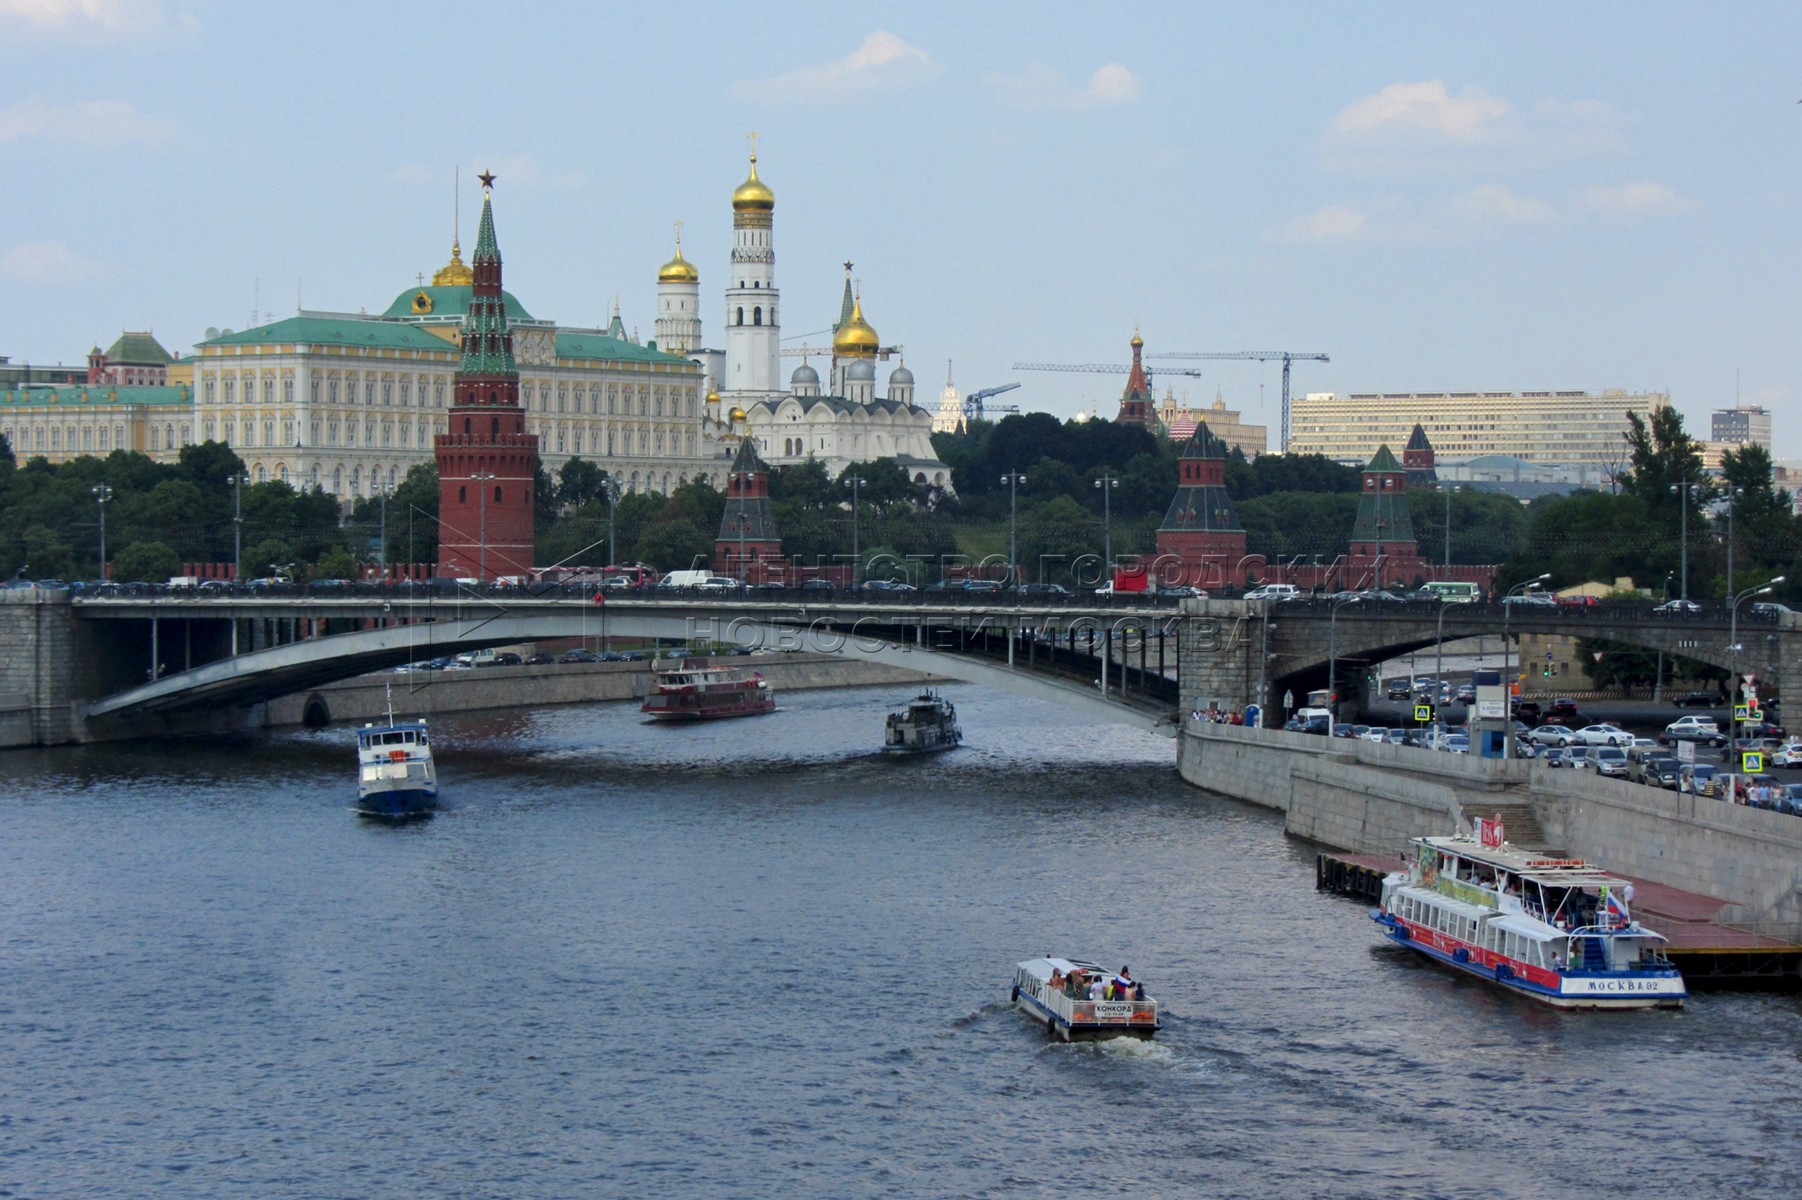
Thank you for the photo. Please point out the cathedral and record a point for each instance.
(837, 420)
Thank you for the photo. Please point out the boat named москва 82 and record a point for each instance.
(1555, 929)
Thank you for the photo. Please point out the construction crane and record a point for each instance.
(1287, 356)
(975, 410)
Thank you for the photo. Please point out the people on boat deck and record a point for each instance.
(1098, 989)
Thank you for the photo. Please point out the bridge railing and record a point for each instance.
(1528, 616)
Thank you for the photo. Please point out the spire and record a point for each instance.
(1137, 386)
(487, 342)
(948, 382)
(849, 303)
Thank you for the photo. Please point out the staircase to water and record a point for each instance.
(1520, 827)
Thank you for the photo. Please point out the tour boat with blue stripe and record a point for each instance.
(396, 777)
(1079, 1001)
(1557, 930)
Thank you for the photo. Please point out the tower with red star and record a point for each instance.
(487, 462)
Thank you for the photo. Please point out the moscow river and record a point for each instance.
(755, 959)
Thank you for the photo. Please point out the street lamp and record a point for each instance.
(480, 479)
(382, 490)
(236, 523)
(102, 493)
(1731, 493)
(1107, 483)
(1448, 522)
(1685, 489)
(1733, 684)
(1332, 658)
(610, 489)
(855, 483)
(1507, 669)
(1013, 479)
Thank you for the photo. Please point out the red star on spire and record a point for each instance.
(487, 178)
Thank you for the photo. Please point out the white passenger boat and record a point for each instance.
(395, 773)
(1061, 993)
(1556, 929)
(926, 726)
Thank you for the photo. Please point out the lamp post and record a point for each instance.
(382, 490)
(102, 493)
(1507, 668)
(1684, 490)
(610, 489)
(238, 480)
(1448, 522)
(1731, 493)
(1013, 479)
(1107, 483)
(480, 479)
(1332, 659)
(1733, 684)
(855, 483)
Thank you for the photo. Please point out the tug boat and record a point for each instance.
(700, 691)
(396, 778)
(1557, 930)
(926, 726)
(1057, 992)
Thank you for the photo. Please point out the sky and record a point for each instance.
(1440, 197)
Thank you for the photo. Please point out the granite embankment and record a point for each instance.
(1364, 797)
(415, 692)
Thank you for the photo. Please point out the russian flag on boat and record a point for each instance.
(1616, 907)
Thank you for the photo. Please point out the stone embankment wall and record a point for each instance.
(426, 692)
(1370, 798)
(37, 647)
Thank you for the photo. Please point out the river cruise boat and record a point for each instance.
(700, 691)
(1060, 993)
(926, 726)
(1556, 929)
(396, 778)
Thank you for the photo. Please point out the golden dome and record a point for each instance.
(738, 415)
(855, 338)
(1137, 341)
(713, 397)
(753, 192)
(678, 269)
(454, 273)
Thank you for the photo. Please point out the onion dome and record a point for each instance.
(737, 415)
(1138, 342)
(753, 193)
(860, 371)
(713, 398)
(454, 273)
(678, 269)
(855, 338)
(901, 375)
(804, 374)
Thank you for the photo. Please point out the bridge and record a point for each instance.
(73, 668)
(162, 662)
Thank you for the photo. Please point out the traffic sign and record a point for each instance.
(1742, 712)
(1751, 762)
(1423, 713)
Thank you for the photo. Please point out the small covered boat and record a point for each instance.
(698, 690)
(1080, 1001)
(396, 777)
(926, 726)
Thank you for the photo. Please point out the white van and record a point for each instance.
(684, 579)
(1274, 591)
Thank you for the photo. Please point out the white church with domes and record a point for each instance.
(837, 422)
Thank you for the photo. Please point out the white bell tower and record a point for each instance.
(752, 312)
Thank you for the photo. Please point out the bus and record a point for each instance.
(1455, 593)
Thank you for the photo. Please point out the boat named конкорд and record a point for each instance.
(1079, 1001)
(1556, 929)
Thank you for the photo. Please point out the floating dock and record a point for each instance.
(1708, 951)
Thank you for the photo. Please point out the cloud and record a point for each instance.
(84, 18)
(1640, 199)
(1040, 88)
(1429, 108)
(1331, 223)
(92, 122)
(883, 63)
(1425, 126)
(1495, 202)
(47, 264)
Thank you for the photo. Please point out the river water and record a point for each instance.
(755, 959)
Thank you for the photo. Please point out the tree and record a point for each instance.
(675, 544)
(264, 559)
(1660, 457)
(146, 562)
(579, 482)
(1054, 535)
(413, 517)
(334, 564)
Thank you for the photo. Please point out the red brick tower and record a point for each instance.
(749, 546)
(487, 462)
(1137, 405)
(1201, 532)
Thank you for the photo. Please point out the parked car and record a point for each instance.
(1698, 779)
(1697, 700)
(1458, 743)
(505, 658)
(1677, 608)
(1604, 735)
(1527, 711)
(540, 659)
(818, 585)
(1274, 591)
(1375, 734)
(1577, 756)
(1532, 600)
(1789, 800)
(1766, 728)
(578, 656)
(1179, 591)
(1654, 769)
(1552, 735)
(1693, 729)
(1789, 754)
(1045, 591)
(1609, 760)
(1552, 756)
(1345, 730)
(1770, 608)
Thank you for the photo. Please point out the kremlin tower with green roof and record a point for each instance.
(1201, 532)
(1383, 549)
(487, 462)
